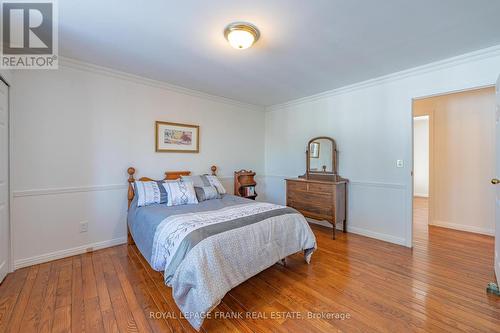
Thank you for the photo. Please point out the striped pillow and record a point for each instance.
(205, 188)
(206, 193)
(198, 181)
(149, 193)
(214, 181)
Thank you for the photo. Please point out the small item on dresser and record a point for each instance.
(244, 184)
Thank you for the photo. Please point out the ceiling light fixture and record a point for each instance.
(241, 35)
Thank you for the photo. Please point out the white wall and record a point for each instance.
(463, 159)
(372, 124)
(421, 156)
(77, 130)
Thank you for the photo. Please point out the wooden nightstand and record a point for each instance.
(244, 184)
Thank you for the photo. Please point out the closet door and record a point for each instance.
(4, 181)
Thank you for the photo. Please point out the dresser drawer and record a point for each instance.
(323, 199)
(296, 186)
(320, 188)
(314, 211)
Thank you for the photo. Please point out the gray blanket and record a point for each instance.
(207, 249)
(143, 221)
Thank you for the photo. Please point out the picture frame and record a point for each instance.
(314, 150)
(176, 137)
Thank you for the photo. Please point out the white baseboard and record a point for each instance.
(421, 195)
(461, 227)
(377, 235)
(362, 232)
(67, 252)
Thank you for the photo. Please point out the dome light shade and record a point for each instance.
(241, 35)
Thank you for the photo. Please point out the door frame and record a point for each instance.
(431, 157)
(10, 255)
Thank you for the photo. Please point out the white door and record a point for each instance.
(4, 181)
(497, 219)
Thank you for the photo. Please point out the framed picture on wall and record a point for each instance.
(177, 138)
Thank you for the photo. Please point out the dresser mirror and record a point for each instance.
(321, 158)
(321, 155)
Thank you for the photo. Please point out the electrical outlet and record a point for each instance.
(400, 164)
(84, 226)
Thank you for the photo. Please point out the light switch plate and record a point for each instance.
(84, 226)
(400, 164)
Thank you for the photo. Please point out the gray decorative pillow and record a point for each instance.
(206, 193)
(203, 187)
(214, 181)
(198, 181)
(163, 192)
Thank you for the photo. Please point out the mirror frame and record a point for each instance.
(334, 171)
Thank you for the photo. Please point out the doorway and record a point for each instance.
(421, 137)
(454, 159)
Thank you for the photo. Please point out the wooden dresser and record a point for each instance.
(319, 199)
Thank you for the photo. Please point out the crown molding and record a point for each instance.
(106, 71)
(434, 66)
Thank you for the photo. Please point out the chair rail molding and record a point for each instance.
(63, 190)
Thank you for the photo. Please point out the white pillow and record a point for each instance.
(214, 181)
(148, 193)
(180, 193)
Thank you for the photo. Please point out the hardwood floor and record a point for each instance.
(439, 286)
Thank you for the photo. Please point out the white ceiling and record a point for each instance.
(306, 46)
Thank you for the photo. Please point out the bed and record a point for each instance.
(206, 249)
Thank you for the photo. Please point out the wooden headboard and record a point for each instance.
(169, 175)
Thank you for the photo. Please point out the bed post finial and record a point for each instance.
(214, 170)
(131, 180)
